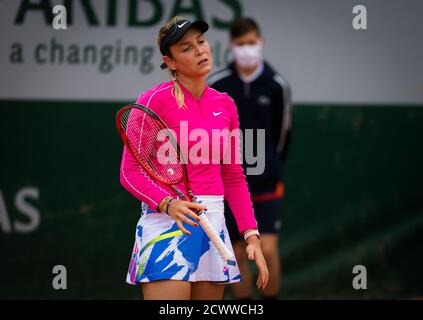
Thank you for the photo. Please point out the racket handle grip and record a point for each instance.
(217, 241)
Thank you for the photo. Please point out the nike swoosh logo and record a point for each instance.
(216, 113)
(181, 25)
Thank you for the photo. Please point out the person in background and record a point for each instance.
(263, 99)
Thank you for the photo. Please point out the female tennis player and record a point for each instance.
(172, 256)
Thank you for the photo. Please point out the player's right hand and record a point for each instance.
(181, 211)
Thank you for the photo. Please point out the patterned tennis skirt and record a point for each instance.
(161, 251)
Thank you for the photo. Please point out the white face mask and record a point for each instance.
(248, 56)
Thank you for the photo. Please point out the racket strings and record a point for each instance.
(146, 138)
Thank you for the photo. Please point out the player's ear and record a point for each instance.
(169, 62)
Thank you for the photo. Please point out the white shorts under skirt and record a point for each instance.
(162, 252)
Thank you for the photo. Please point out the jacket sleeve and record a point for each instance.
(234, 182)
(136, 180)
(282, 113)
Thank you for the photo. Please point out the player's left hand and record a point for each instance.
(254, 253)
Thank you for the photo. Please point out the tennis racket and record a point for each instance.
(145, 134)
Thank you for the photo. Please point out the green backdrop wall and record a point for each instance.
(354, 196)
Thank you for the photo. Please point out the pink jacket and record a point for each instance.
(214, 110)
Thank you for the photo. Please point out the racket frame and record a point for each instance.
(221, 247)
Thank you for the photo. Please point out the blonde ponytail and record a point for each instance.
(176, 90)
